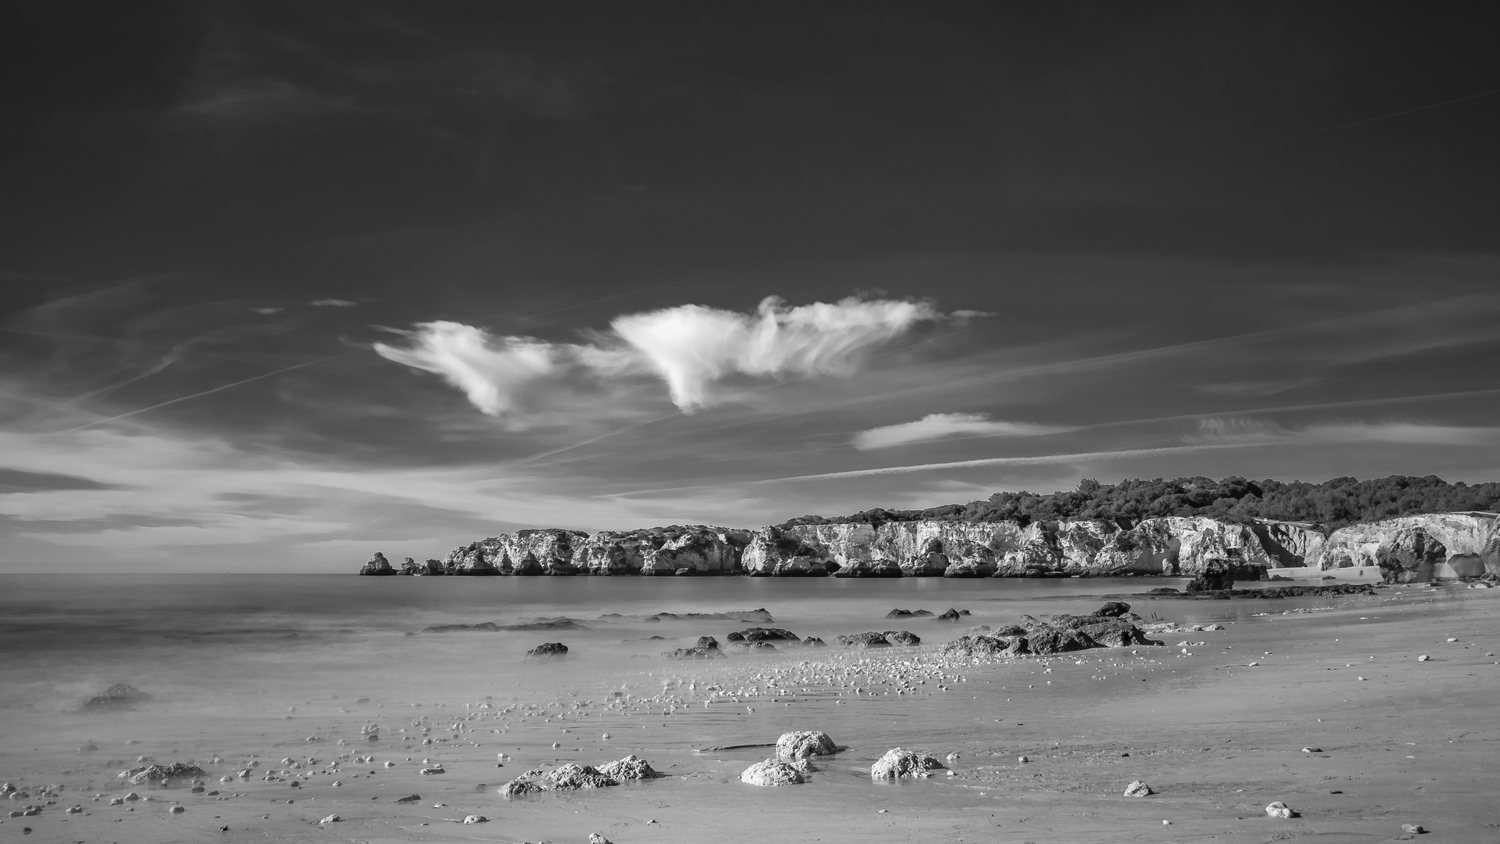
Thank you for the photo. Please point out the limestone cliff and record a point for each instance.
(1408, 548)
(1439, 545)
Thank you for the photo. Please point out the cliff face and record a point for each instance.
(1173, 545)
(1409, 548)
(1441, 545)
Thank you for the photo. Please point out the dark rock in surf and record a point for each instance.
(1112, 609)
(814, 642)
(763, 634)
(549, 650)
(706, 648)
(863, 640)
(903, 638)
(900, 613)
(953, 615)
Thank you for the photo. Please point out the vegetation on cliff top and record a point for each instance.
(1334, 503)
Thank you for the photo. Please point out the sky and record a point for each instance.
(286, 283)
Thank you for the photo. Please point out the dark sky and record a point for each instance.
(285, 283)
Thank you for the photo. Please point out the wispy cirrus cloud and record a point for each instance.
(690, 348)
(333, 303)
(936, 426)
(1256, 389)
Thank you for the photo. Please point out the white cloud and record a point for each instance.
(493, 372)
(692, 346)
(936, 426)
(333, 303)
(689, 347)
(266, 311)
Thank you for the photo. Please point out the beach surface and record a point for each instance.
(1321, 703)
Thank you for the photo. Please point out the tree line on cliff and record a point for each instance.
(1335, 503)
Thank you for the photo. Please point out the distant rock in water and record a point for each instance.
(549, 650)
(900, 613)
(484, 626)
(953, 615)
(492, 627)
(546, 624)
(117, 698)
(431, 568)
(378, 566)
(761, 615)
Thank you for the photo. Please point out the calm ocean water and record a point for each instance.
(219, 637)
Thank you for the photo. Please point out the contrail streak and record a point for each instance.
(217, 389)
(1029, 460)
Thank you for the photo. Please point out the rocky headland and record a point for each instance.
(1405, 549)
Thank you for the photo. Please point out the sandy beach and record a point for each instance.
(1320, 703)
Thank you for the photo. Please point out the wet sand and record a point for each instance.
(1397, 740)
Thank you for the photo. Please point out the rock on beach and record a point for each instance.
(772, 773)
(898, 762)
(803, 744)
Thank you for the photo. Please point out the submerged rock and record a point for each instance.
(772, 773)
(897, 763)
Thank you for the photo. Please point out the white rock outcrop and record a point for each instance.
(803, 744)
(772, 773)
(897, 763)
